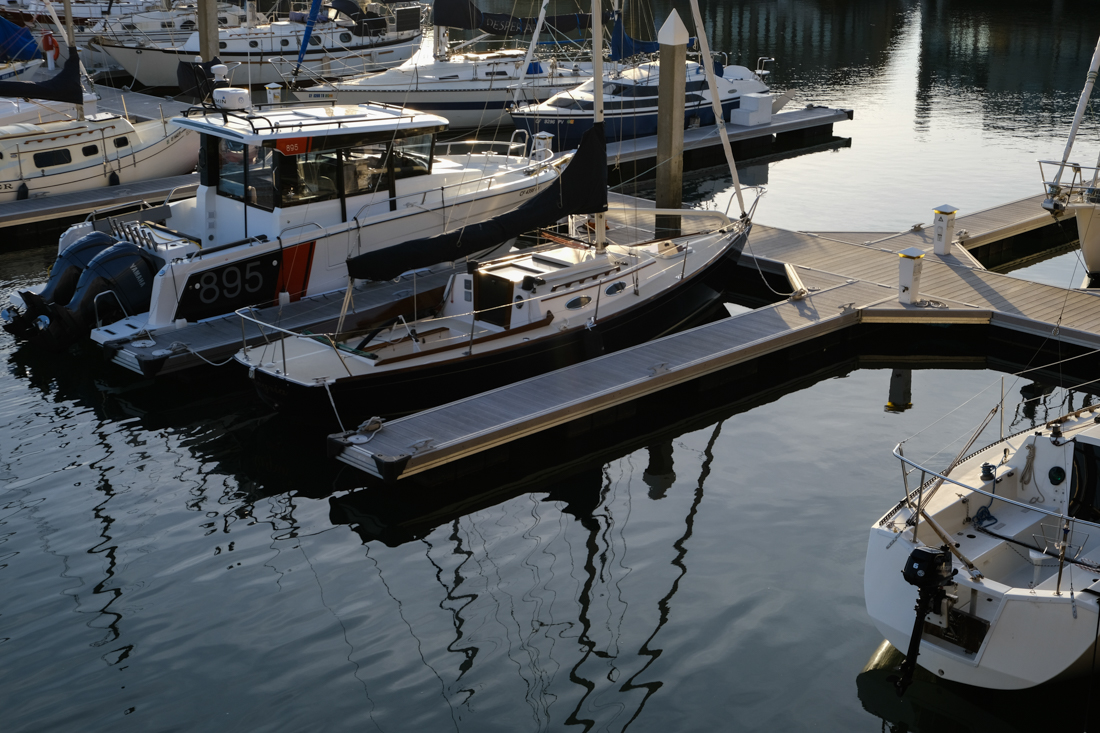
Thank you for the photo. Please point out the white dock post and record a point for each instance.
(909, 275)
(944, 229)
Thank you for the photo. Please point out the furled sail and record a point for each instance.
(62, 87)
(465, 15)
(580, 189)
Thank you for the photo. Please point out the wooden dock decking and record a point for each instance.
(853, 278)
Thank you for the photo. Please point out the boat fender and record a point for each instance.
(22, 193)
(112, 180)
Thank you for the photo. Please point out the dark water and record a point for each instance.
(172, 558)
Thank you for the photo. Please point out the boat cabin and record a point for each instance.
(272, 168)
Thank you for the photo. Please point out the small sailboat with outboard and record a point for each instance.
(333, 40)
(617, 277)
(987, 571)
(286, 195)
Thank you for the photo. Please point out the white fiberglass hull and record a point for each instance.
(156, 66)
(1018, 615)
(155, 151)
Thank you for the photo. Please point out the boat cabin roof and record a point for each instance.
(254, 127)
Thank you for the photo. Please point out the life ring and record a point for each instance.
(49, 43)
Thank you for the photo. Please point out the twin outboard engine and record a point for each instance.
(930, 571)
(96, 280)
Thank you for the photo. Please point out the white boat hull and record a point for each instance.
(158, 152)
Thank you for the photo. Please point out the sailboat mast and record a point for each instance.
(1082, 103)
(597, 99)
(708, 66)
(530, 51)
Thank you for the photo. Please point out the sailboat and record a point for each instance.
(473, 88)
(1000, 551)
(630, 102)
(91, 151)
(615, 279)
(1081, 194)
(286, 194)
(341, 39)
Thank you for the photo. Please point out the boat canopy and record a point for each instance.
(467, 16)
(63, 86)
(16, 43)
(580, 189)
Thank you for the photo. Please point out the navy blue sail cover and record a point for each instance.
(580, 189)
(61, 87)
(16, 42)
(465, 15)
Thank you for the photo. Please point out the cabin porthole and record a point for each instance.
(253, 44)
(221, 44)
(345, 38)
(578, 302)
(615, 288)
(519, 302)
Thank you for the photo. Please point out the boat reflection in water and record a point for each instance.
(932, 705)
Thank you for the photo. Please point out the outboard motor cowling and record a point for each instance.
(930, 570)
(64, 276)
(125, 270)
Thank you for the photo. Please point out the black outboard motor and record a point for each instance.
(64, 275)
(125, 270)
(929, 570)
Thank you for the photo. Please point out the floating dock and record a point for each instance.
(852, 278)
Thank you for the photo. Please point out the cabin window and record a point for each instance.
(129, 27)
(221, 44)
(50, 158)
(253, 44)
(345, 38)
(615, 288)
(412, 156)
(284, 42)
(167, 24)
(121, 142)
(187, 25)
(308, 178)
(246, 173)
(89, 150)
(223, 20)
(578, 303)
(365, 170)
(314, 41)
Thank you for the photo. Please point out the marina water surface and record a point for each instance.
(173, 557)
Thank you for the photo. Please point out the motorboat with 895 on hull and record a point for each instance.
(286, 196)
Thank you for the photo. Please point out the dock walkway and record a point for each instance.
(852, 278)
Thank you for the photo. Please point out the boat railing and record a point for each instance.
(483, 147)
(1084, 180)
(898, 453)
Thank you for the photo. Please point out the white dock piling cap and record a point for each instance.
(673, 32)
(945, 209)
(912, 253)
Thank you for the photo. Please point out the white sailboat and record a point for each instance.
(615, 280)
(346, 40)
(286, 195)
(87, 151)
(1080, 195)
(471, 88)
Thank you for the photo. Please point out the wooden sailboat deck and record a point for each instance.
(852, 277)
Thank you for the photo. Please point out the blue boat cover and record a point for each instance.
(16, 42)
(580, 189)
